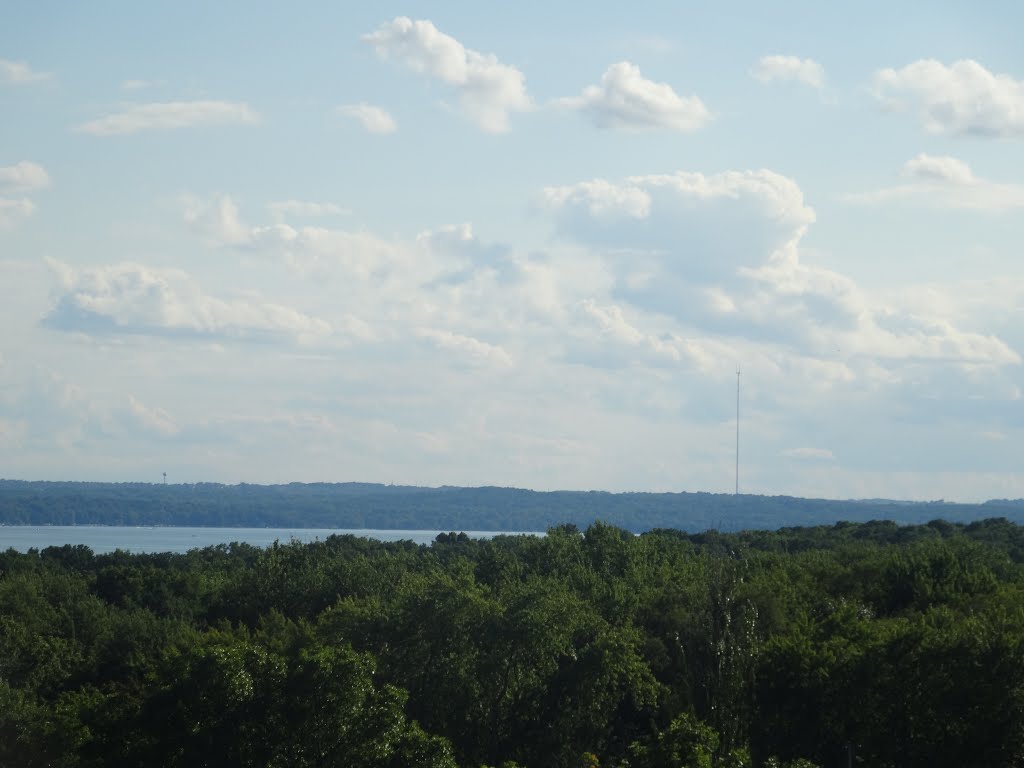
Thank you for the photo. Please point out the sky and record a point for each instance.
(517, 244)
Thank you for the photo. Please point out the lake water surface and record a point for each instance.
(102, 538)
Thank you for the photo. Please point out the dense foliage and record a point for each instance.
(369, 505)
(869, 644)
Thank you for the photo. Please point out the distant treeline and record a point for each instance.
(368, 505)
(854, 644)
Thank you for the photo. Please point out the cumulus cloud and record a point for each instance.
(693, 224)
(720, 254)
(602, 199)
(19, 178)
(13, 211)
(464, 296)
(44, 408)
(19, 73)
(311, 250)
(625, 288)
(373, 119)
(815, 308)
(775, 196)
(152, 419)
(822, 312)
(609, 338)
(469, 348)
(304, 208)
(677, 244)
(23, 176)
(218, 221)
(789, 68)
(826, 313)
(907, 335)
(488, 89)
(944, 169)
(620, 335)
(171, 114)
(963, 98)
(135, 299)
(626, 100)
(946, 182)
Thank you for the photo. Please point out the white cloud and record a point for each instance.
(675, 242)
(619, 343)
(308, 249)
(720, 255)
(19, 73)
(49, 410)
(961, 99)
(20, 177)
(304, 208)
(373, 119)
(776, 196)
(488, 90)
(625, 100)
(900, 334)
(132, 298)
(627, 288)
(172, 114)
(461, 290)
(135, 85)
(584, 361)
(14, 210)
(152, 419)
(933, 168)
(474, 350)
(692, 224)
(772, 68)
(826, 313)
(602, 199)
(946, 182)
(217, 221)
(23, 176)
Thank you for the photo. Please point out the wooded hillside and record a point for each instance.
(368, 505)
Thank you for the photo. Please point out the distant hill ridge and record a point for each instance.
(371, 505)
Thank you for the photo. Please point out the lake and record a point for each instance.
(101, 538)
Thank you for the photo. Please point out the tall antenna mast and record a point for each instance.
(737, 430)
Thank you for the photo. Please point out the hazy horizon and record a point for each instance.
(436, 487)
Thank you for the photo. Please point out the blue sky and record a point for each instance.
(455, 243)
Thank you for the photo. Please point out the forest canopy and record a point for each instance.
(871, 644)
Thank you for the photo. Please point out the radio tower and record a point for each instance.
(737, 430)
